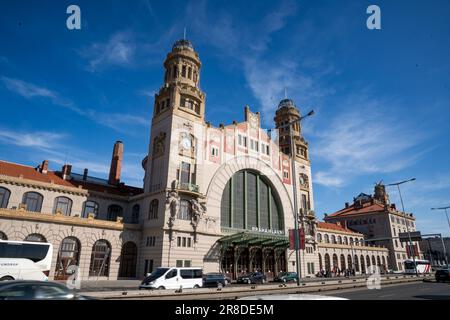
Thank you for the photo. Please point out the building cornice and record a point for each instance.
(340, 232)
(66, 220)
(349, 247)
(43, 185)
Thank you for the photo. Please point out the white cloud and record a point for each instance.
(37, 139)
(116, 121)
(328, 179)
(118, 50)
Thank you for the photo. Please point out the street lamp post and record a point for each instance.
(294, 186)
(406, 222)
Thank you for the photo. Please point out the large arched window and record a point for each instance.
(327, 238)
(3, 236)
(333, 239)
(319, 237)
(90, 207)
(68, 258)
(153, 210)
(349, 262)
(356, 264)
(128, 260)
(35, 237)
(114, 211)
(33, 201)
(345, 240)
(339, 240)
(64, 205)
(250, 201)
(320, 262)
(100, 258)
(4, 197)
(135, 213)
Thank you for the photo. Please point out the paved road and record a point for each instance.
(408, 291)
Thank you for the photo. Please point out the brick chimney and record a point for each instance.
(85, 174)
(44, 167)
(66, 171)
(116, 163)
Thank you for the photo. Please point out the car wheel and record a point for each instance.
(6, 278)
(249, 281)
(161, 288)
(196, 286)
(284, 280)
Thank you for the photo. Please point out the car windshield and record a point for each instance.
(158, 273)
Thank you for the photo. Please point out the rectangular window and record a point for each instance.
(187, 263)
(150, 266)
(146, 267)
(245, 142)
(183, 71)
(147, 243)
(286, 174)
(179, 263)
(257, 146)
(267, 150)
(240, 140)
(178, 241)
(182, 102)
(185, 172)
(184, 241)
(251, 144)
(183, 213)
(190, 73)
(214, 151)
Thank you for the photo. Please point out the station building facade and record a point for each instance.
(214, 197)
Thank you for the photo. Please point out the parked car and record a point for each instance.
(252, 277)
(214, 279)
(173, 278)
(286, 277)
(36, 290)
(442, 275)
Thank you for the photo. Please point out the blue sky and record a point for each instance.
(381, 96)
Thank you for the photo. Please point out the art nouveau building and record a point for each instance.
(215, 197)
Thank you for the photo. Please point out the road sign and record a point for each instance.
(415, 236)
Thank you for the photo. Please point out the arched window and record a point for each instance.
(68, 258)
(153, 210)
(100, 258)
(64, 205)
(320, 262)
(3, 236)
(378, 261)
(356, 264)
(335, 261)
(135, 213)
(185, 210)
(363, 268)
(319, 237)
(339, 240)
(114, 211)
(33, 201)
(327, 238)
(349, 262)
(128, 260)
(342, 258)
(35, 237)
(327, 262)
(333, 239)
(4, 197)
(351, 241)
(373, 261)
(345, 240)
(90, 207)
(250, 195)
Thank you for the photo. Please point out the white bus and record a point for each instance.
(423, 266)
(22, 260)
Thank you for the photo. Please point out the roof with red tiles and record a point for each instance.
(334, 226)
(365, 208)
(26, 172)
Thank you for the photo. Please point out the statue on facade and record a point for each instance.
(198, 209)
(173, 200)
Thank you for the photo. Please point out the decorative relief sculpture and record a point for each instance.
(198, 210)
(304, 181)
(159, 145)
(173, 201)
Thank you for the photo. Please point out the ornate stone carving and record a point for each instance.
(159, 145)
(173, 201)
(304, 181)
(198, 210)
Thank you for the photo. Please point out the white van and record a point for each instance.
(22, 260)
(173, 278)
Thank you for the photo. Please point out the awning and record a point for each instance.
(252, 238)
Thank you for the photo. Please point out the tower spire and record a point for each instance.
(184, 34)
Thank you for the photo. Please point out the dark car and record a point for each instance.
(286, 277)
(214, 279)
(36, 290)
(252, 277)
(442, 275)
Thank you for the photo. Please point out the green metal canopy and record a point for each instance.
(252, 238)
